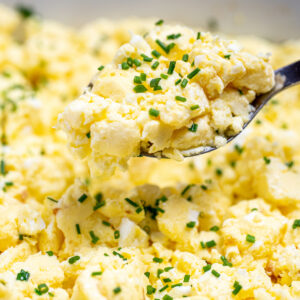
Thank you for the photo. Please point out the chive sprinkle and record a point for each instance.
(94, 238)
(184, 83)
(163, 288)
(219, 172)
(155, 65)
(100, 68)
(143, 76)
(147, 274)
(2, 167)
(165, 47)
(225, 261)
(23, 275)
(159, 22)
(155, 53)
(198, 35)
(167, 280)
(146, 58)
(202, 245)
(175, 285)
(72, 260)
(289, 164)
(185, 57)
(193, 107)
(215, 273)
(250, 238)
(41, 289)
(82, 198)
(157, 259)
(137, 79)
(191, 224)
(88, 135)
(137, 62)
(140, 88)
(207, 268)
(193, 128)
(129, 61)
(105, 223)
(237, 288)
(193, 73)
(117, 234)
(267, 160)
(296, 224)
(78, 228)
(210, 244)
(97, 273)
(125, 66)
(214, 228)
(154, 82)
(150, 290)
(164, 76)
(51, 199)
(180, 98)
(177, 81)
(153, 112)
(117, 290)
(159, 272)
(174, 36)
(227, 56)
(167, 297)
(186, 189)
(171, 67)
(132, 203)
(50, 253)
(186, 278)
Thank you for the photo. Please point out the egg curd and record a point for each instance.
(225, 225)
(174, 89)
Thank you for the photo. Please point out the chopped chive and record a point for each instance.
(163, 288)
(150, 290)
(175, 285)
(98, 205)
(72, 260)
(125, 66)
(167, 269)
(2, 167)
(289, 164)
(51, 199)
(203, 187)
(165, 47)
(157, 88)
(171, 67)
(237, 288)
(137, 62)
(177, 81)
(186, 278)
(181, 99)
(140, 88)
(23, 275)
(155, 53)
(215, 273)
(164, 76)
(186, 189)
(202, 245)
(146, 58)
(227, 56)
(154, 82)
(296, 224)
(157, 260)
(191, 224)
(117, 234)
(132, 203)
(185, 57)
(174, 36)
(267, 160)
(193, 107)
(78, 228)
(153, 112)
(214, 228)
(41, 289)
(193, 73)
(50, 253)
(198, 35)
(159, 272)
(115, 253)
(105, 223)
(143, 76)
(225, 261)
(207, 268)
(193, 128)
(94, 238)
(159, 22)
(167, 297)
(155, 65)
(250, 238)
(241, 92)
(167, 280)
(129, 61)
(238, 149)
(100, 68)
(219, 172)
(184, 83)
(82, 198)
(117, 290)
(147, 274)
(138, 210)
(97, 273)
(254, 209)
(137, 79)
(210, 244)
(88, 135)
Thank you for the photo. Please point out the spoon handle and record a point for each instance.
(291, 74)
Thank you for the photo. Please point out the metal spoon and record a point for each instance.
(284, 77)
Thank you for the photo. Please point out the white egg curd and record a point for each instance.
(225, 225)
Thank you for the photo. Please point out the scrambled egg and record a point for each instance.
(173, 90)
(221, 226)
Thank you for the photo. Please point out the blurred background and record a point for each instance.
(273, 19)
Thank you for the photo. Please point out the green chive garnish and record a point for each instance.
(153, 112)
(159, 22)
(82, 198)
(198, 35)
(179, 98)
(177, 81)
(137, 79)
(186, 278)
(125, 66)
(296, 224)
(250, 238)
(78, 228)
(171, 67)
(207, 268)
(185, 57)
(132, 203)
(184, 83)
(193, 73)
(215, 273)
(143, 76)
(215, 228)
(94, 238)
(72, 260)
(267, 160)
(155, 53)
(140, 88)
(193, 128)
(23, 275)
(164, 76)
(137, 62)
(101, 68)
(157, 260)
(210, 244)
(174, 36)
(146, 58)
(155, 65)
(98, 273)
(227, 56)
(193, 107)
(191, 224)
(117, 234)
(117, 290)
